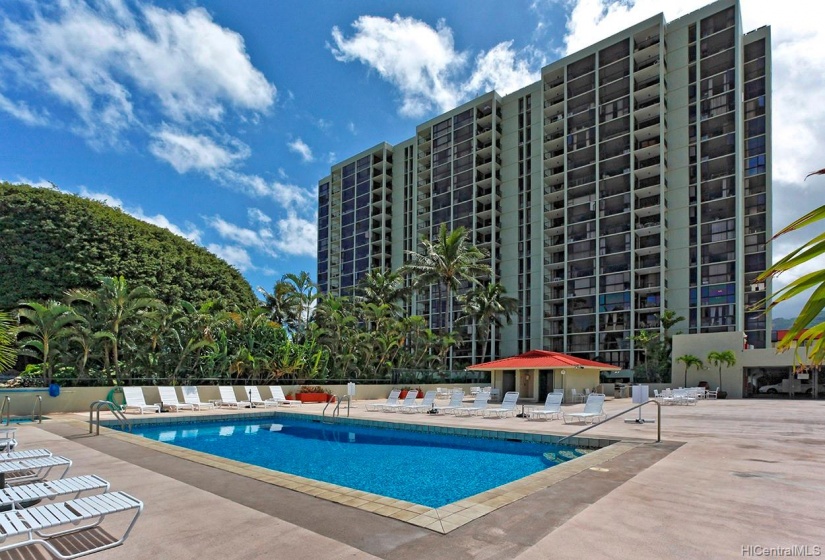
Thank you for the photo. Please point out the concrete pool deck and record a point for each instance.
(731, 476)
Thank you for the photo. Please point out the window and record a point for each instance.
(755, 165)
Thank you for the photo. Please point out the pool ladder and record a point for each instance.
(336, 412)
(37, 409)
(7, 407)
(97, 405)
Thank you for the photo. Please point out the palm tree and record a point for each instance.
(43, 327)
(303, 299)
(448, 261)
(488, 308)
(115, 308)
(8, 335)
(281, 302)
(690, 361)
(381, 287)
(725, 357)
(802, 333)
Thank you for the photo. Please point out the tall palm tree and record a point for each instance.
(303, 300)
(487, 307)
(42, 328)
(690, 361)
(381, 287)
(281, 302)
(8, 335)
(116, 307)
(447, 261)
(725, 357)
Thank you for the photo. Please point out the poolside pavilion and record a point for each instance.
(538, 372)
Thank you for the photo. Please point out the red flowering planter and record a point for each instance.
(405, 391)
(314, 397)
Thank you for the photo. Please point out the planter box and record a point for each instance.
(314, 397)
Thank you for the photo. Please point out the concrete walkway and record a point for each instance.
(731, 477)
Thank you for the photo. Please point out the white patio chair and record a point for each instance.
(279, 397)
(191, 396)
(228, 398)
(409, 400)
(478, 406)
(508, 406)
(593, 410)
(391, 400)
(136, 401)
(169, 399)
(552, 408)
(255, 397)
(428, 403)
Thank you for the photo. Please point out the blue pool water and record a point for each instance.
(428, 469)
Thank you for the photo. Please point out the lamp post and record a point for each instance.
(563, 390)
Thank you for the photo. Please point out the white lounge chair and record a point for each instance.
(169, 399)
(552, 408)
(508, 406)
(24, 527)
(13, 497)
(279, 397)
(392, 399)
(409, 400)
(228, 398)
(255, 397)
(7, 440)
(191, 396)
(27, 454)
(427, 403)
(478, 406)
(712, 394)
(136, 401)
(28, 470)
(455, 402)
(593, 410)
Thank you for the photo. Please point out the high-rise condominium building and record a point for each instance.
(633, 178)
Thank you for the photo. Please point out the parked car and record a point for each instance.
(800, 386)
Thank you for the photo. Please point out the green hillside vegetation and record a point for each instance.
(51, 242)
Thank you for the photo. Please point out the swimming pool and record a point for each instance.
(428, 469)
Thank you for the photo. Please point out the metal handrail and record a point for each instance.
(336, 411)
(38, 406)
(97, 405)
(6, 401)
(658, 420)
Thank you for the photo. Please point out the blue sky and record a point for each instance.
(216, 119)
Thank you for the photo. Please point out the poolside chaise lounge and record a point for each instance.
(169, 399)
(427, 403)
(228, 398)
(593, 410)
(27, 454)
(392, 399)
(255, 397)
(7, 440)
(409, 400)
(456, 399)
(18, 496)
(552, 408)
(23, 527)
(478, 406)
(508, 406)
(191, 396)
(38, 468)
(279, 398)
(136, 401)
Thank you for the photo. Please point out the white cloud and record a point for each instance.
(300, 147)
(408, 53)
(108, 62)
(20, 110)
(257, 216)
(187, 152)
(297, 236)
(288, 196)
(500, 69)
(234, 255)
(424, 65)
(258, 239)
